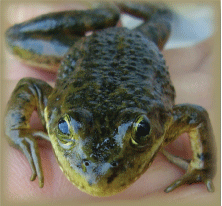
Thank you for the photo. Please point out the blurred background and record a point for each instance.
(192, 23)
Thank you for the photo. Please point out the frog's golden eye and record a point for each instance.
(63, 126)
(141, 131)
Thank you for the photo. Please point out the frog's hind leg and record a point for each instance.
(43, 41)
(158, 18)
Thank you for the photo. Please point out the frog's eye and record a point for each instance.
(63, 126)
(141, 131)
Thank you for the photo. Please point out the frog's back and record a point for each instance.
(116, 66)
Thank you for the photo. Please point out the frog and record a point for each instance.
(112, 109)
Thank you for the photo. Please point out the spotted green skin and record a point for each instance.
(105, 82)
(112, 88)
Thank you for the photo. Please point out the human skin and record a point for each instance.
(192, 74)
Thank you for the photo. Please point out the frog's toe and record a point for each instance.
(29, 148)
(36, 160)
(191, 176)
(26, 151)
(33, 177)
(175, 184)
(209, 184)
(180, 162)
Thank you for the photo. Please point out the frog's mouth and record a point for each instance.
(109, 182)
(104, 178)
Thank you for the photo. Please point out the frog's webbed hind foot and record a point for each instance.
(158, 18)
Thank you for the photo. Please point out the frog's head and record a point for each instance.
(102, 156)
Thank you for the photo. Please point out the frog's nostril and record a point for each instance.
(86, 163)
(114, 164)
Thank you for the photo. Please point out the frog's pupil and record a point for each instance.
(63, 127)
(143, 129)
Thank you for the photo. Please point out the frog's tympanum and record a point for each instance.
(112, 108)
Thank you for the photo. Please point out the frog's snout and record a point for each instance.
(95, 173)
(99, 169)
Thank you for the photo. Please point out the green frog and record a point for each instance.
(112, 108)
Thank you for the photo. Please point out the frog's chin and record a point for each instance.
(102, 190)
(102, 186)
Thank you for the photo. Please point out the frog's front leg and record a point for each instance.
(30, 94)
(195, 121)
